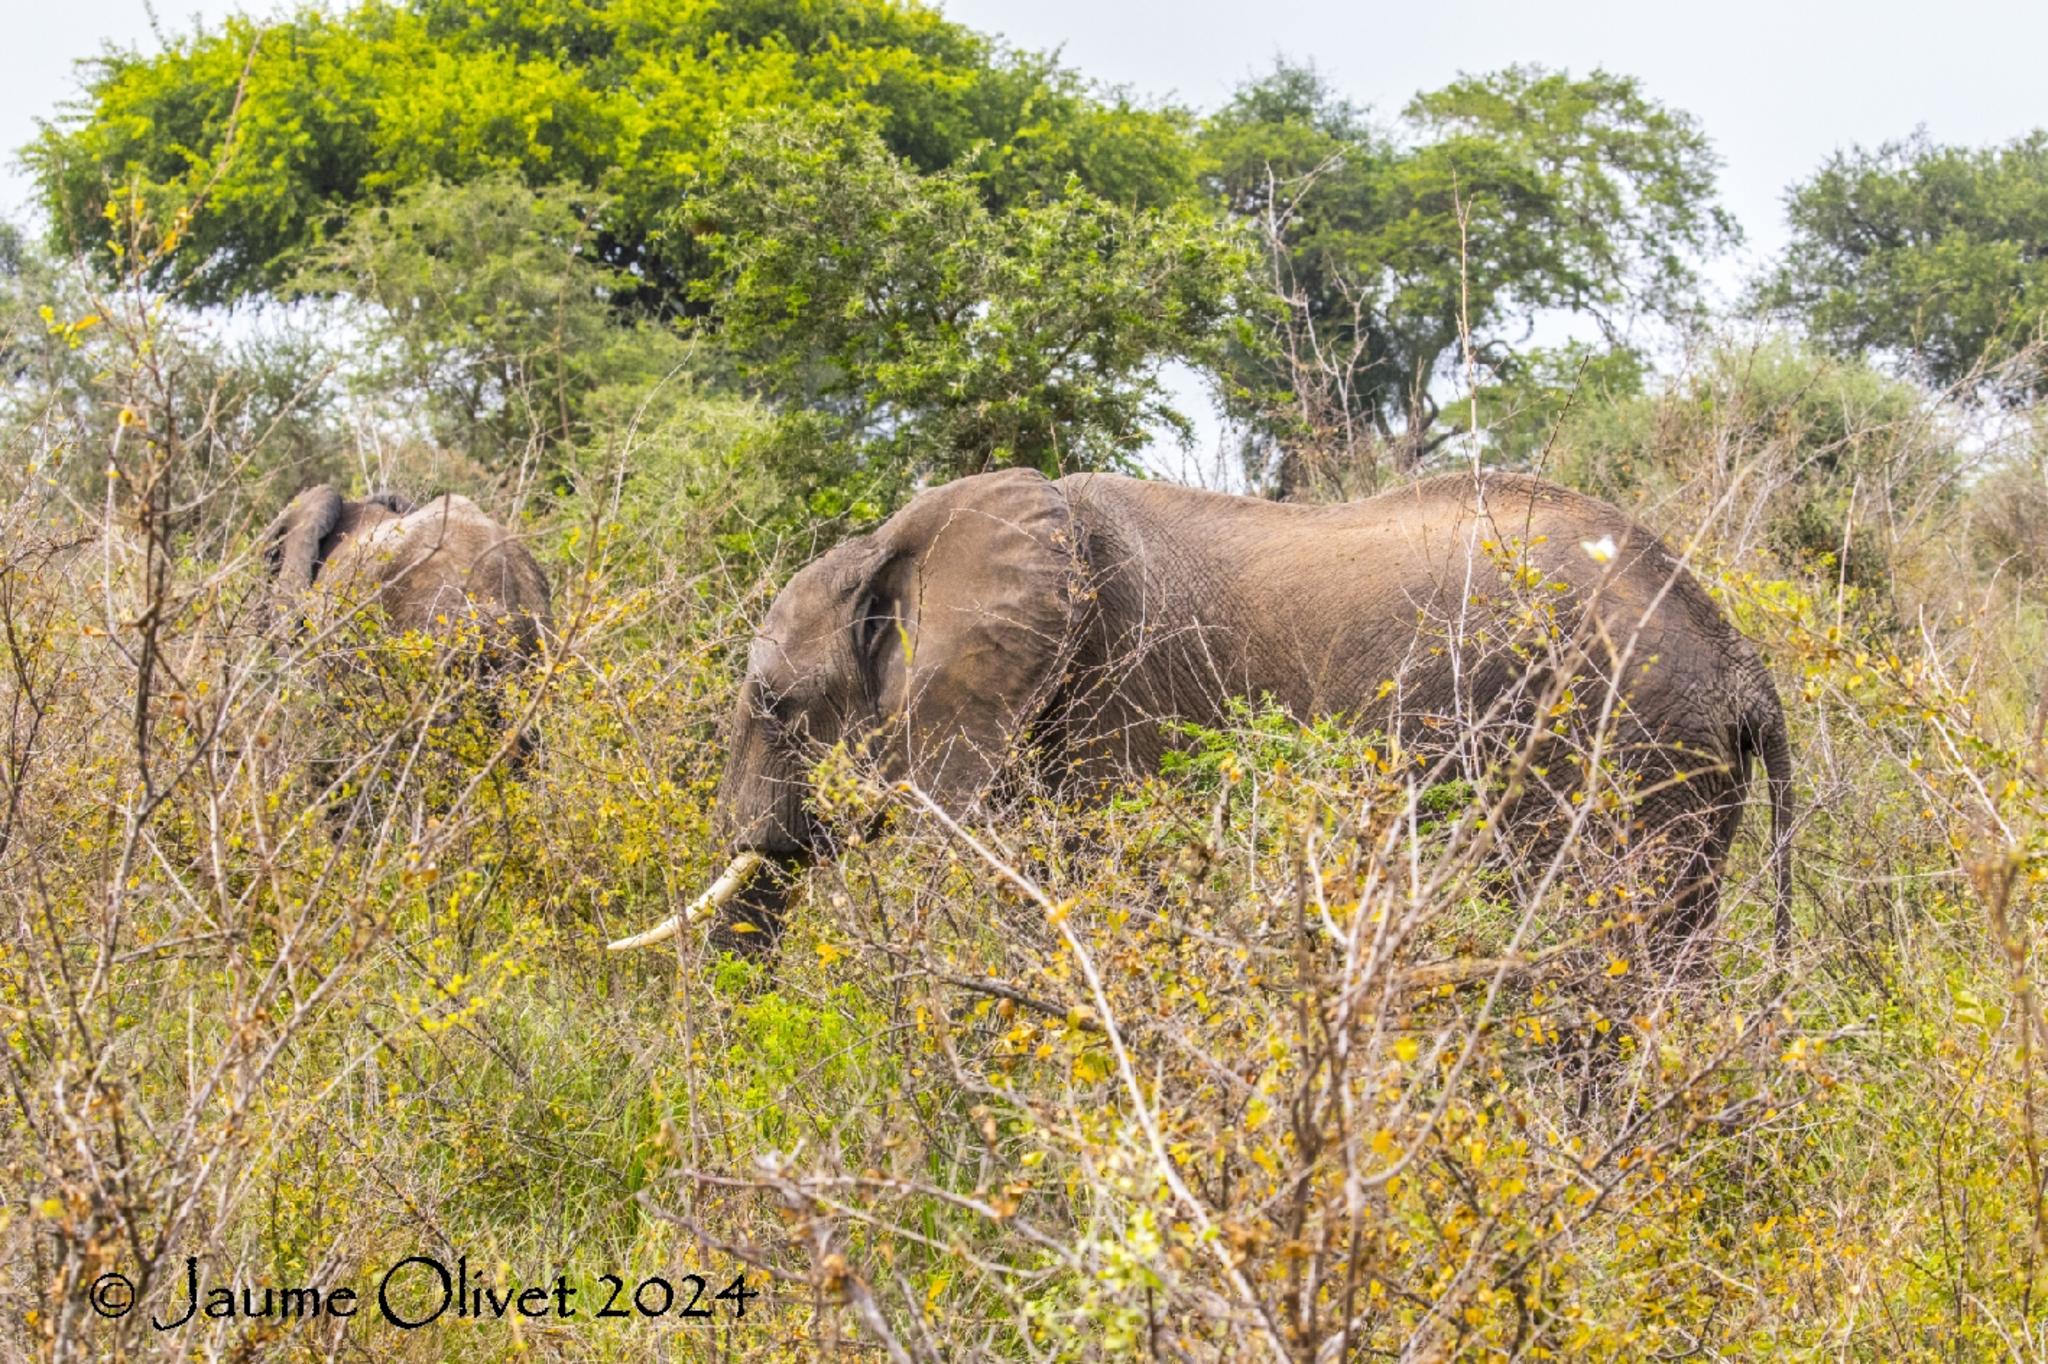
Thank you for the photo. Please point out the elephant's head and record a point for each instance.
(929, 644)
(309, 530)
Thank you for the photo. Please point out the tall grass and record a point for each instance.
(1275, 1055)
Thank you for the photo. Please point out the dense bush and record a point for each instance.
(1282, 1053)
(1273, 1054)
(1833, 468)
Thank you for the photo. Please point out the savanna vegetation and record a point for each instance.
(301, 958)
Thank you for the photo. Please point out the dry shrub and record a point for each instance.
(2008, 504)
(1830, 468)
(1279, 1055)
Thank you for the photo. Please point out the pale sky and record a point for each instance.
(45, 38)
(1778, 83)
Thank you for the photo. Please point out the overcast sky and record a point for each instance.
(1778, 83)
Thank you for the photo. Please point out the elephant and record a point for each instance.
(1006, 618)
(435, 568)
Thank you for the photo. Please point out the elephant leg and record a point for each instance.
(1689, 826)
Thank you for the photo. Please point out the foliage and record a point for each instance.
(1258, 736)
(483, 307)
(1830, 464)
(1404, 257)
(2008, 504)
(280, 130)
(1926, 255)
(253, 402)
(1098, 1075)
(518, 205)
(1284, 1053)
(1522, 417)
(934, 337)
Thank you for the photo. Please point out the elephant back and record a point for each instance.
(445, 567)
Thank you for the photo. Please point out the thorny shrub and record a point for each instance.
(1276, 1055)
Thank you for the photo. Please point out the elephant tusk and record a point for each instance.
(736, 875)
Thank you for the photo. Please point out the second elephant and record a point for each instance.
(440, 568)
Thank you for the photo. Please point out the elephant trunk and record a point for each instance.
(764, 797)
(762, 816)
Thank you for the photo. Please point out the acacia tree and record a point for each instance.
(1400, 255)
(282, 129)
(928, 335)
(511, 194)
(1929, 256)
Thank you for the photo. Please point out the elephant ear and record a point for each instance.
(985, 622)
(291, 547)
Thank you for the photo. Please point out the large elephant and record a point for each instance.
(440, 569)
(1007, 615)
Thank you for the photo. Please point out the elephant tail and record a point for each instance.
(1764, 736)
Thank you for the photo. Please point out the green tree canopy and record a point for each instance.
(279, 130)
(1497, 198)
(928, 252)
(484, 311)
(939, 336)
(1933, 257)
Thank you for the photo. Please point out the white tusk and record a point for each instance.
(724, 888)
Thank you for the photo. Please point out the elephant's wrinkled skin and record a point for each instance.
(441, 568)
(1086, 610)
